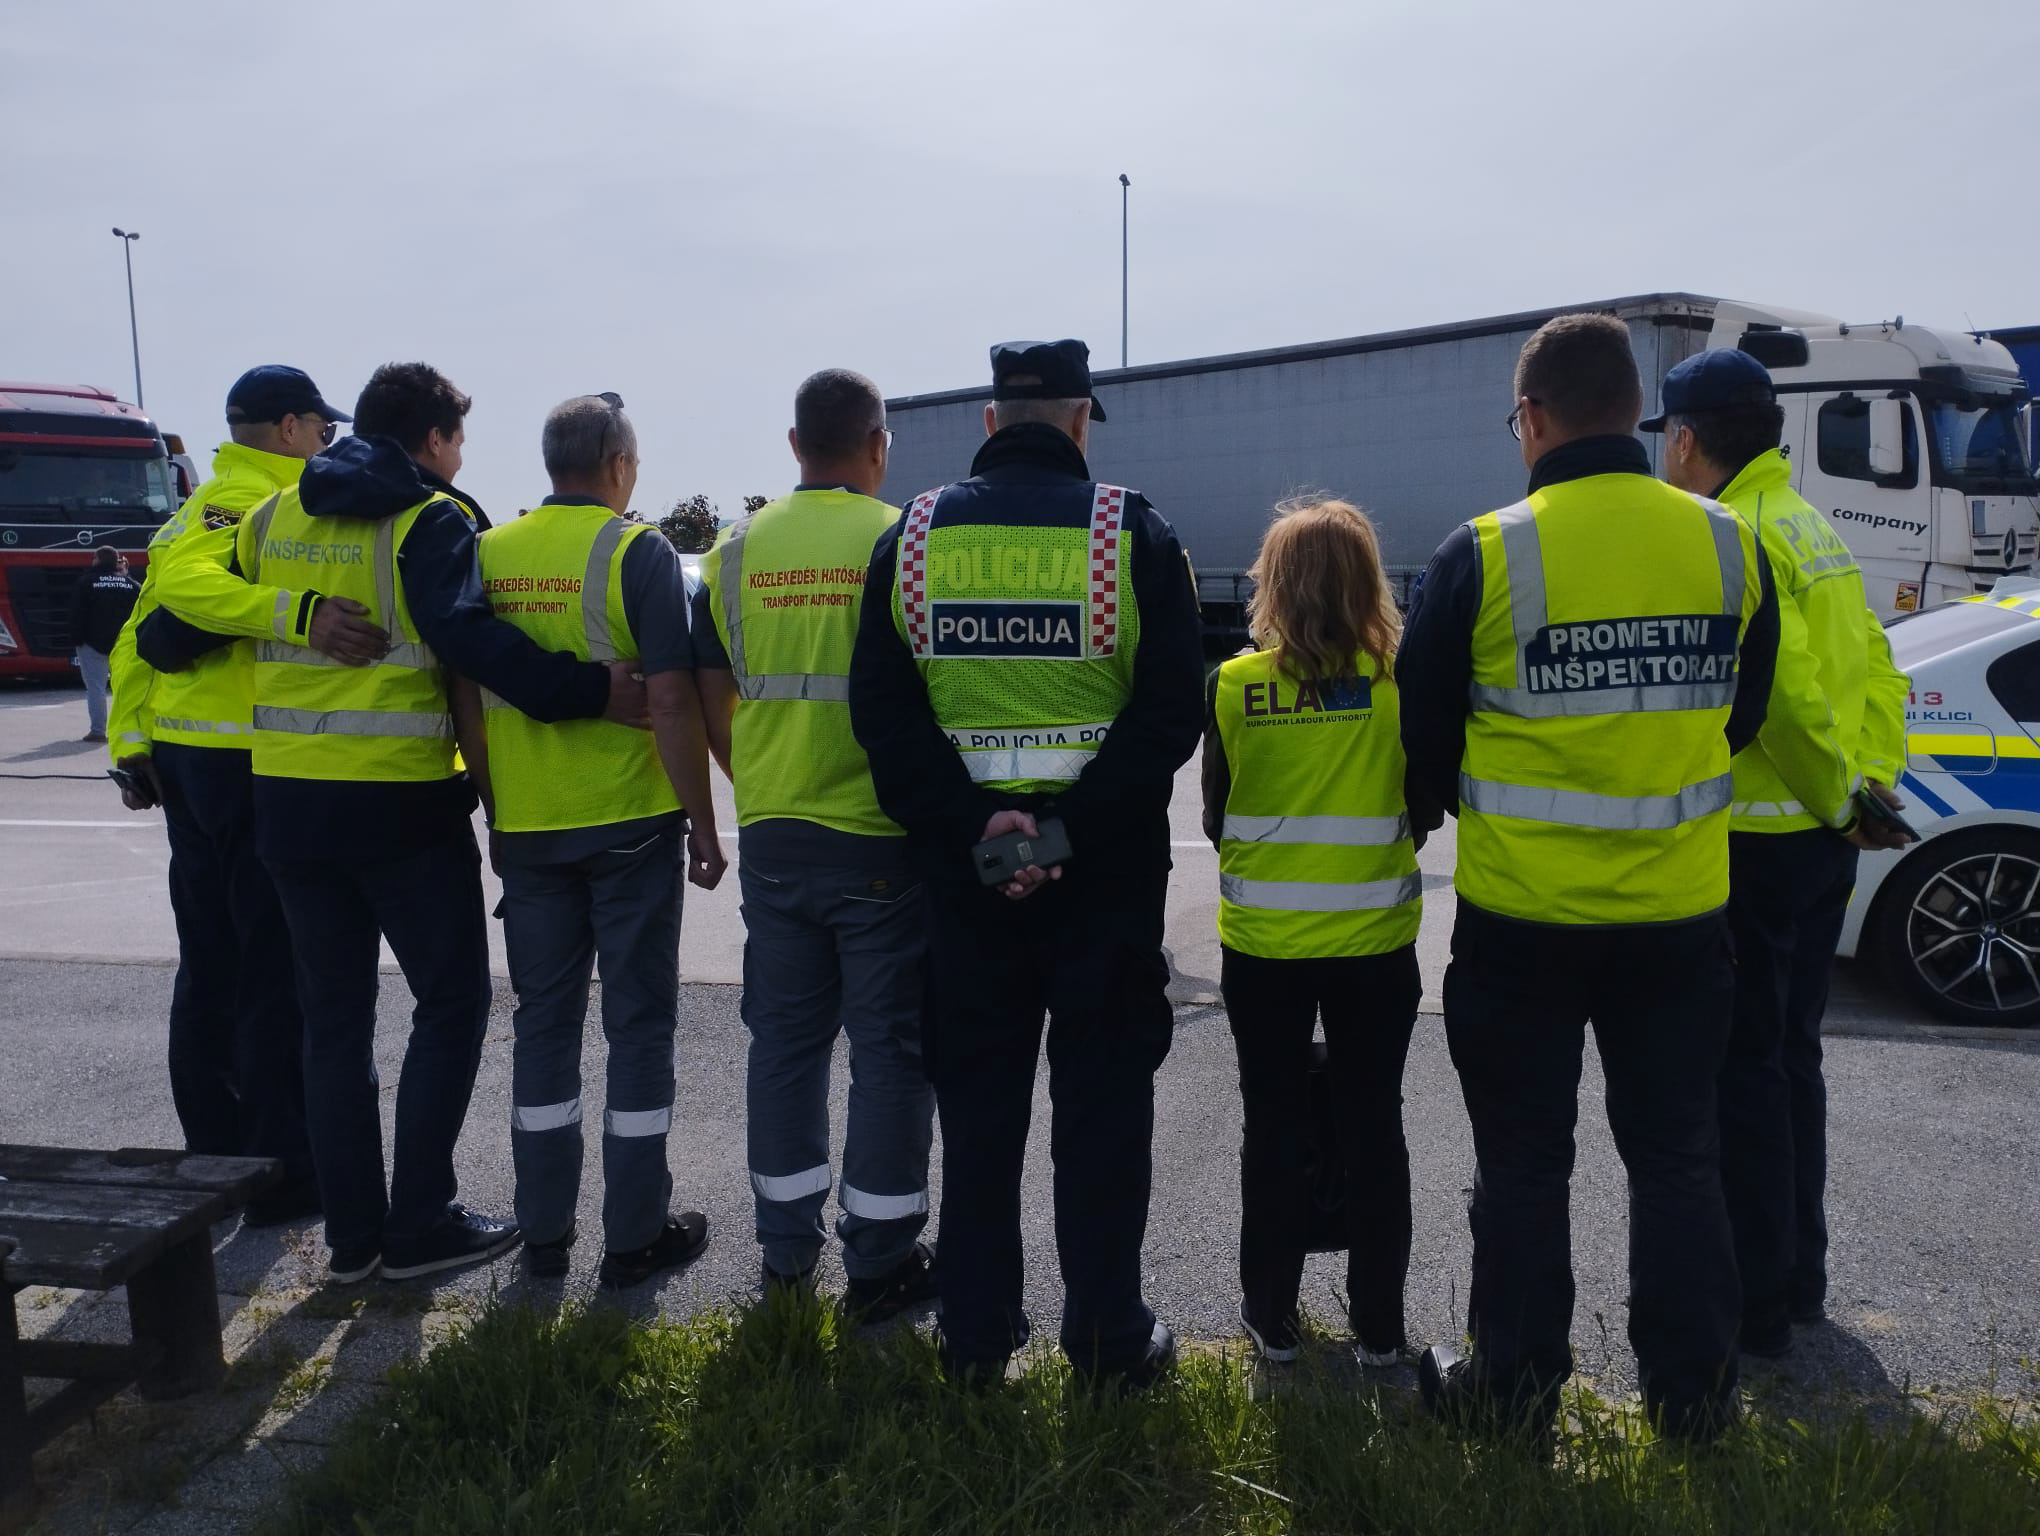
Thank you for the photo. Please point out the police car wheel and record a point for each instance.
(1960, 925)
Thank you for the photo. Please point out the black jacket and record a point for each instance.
(1434, 665)
(100, 605)
(1118, 808)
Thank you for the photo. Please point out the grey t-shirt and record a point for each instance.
(657, 597)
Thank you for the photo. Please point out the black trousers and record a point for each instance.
(428, 904)
(1788, 893)
(1089, 957)
(1369, 1007)
(1518, 997)
(236, 1036)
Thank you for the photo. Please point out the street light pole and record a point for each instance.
(1124, 185)
(127, 249)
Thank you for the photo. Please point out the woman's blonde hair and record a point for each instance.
(1320, 595)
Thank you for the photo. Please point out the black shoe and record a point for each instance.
(1770, 1343)
(1453, 1396)
(978, 1376)
(1156, 1362)
(465, 1237)
(679, 1242)
(284, 1205)
(1277, 1343)
(548, 1261)
(801, 1282)
(352, 1265)
(908, 1284)
(1809, 1314)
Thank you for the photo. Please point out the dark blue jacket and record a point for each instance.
(1117, 812)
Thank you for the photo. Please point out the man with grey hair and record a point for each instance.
(831, 904)
(1029, 654)
(586, 819)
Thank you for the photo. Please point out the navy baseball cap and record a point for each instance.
(1712, 381)
(1044, 370)
(272, 392)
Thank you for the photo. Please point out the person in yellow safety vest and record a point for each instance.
(181, 739)
(362, 815)
(1319, 900)
(832, 907)
(1029, 650)
(1575, 675)
(586, 819)
(1790, 876)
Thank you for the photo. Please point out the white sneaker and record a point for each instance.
(1275, 1352)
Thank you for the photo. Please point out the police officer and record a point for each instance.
(181, 737)
(587, 819)
(1029, 650)
(361, 815)
(1574, 681)
(832, 909)
(1789, 875)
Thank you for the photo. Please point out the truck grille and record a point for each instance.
(42, 601)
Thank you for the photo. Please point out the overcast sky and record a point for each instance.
(698, 205)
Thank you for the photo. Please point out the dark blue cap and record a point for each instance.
(272, 392)
(1044, 370)
(1712, 381)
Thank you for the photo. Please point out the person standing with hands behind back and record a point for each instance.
(1319, 904)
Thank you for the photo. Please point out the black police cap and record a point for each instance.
(1044, 370)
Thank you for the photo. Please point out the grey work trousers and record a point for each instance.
(623, 906)
(828, 950)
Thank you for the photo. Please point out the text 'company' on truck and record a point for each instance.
(78, 468)
(1908, 437)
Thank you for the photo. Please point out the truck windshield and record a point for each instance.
(74, 485)
(1980, 446)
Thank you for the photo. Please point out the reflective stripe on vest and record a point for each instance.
(827, 687)
(997, 764)
(1334, 831)
(195, 727)
(1607, 813)
(402, 653)
(595, 590)
(1101, 604)
(350, 722)
(1524, 553)
(1320, 896)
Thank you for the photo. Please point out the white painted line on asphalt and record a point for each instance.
(130, 822)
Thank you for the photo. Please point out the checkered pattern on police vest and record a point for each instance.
(1101, 589)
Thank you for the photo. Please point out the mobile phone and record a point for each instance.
(127, 781)
(999, 860)
(1875, 810)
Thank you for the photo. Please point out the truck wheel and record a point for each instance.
(1959, 926)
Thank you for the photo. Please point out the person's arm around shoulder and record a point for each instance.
(1164, 714)
(443, 588)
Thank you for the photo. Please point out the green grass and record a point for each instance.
(778, 1420)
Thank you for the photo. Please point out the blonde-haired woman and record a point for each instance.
(1319, 903)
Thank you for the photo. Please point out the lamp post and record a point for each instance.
(127, 249)
(1124, 186)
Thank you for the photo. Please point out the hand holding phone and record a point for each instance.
(1878, 824)
(1019, 855)
(140, 789)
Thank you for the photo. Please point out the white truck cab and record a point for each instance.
(1913, 441)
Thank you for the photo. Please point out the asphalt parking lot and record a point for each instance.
(1934, 1200)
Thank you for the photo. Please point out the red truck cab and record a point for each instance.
(79, 468)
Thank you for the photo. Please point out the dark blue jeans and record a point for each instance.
(1518, 997)
(1788, 894)
(428, 904)
(1089, 959)
(236, 1038)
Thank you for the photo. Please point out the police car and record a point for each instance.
(1955, 918)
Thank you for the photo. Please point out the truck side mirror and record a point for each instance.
(1887, 437)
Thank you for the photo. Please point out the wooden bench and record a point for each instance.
(91, 1221)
